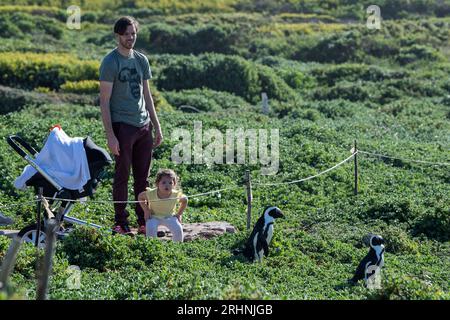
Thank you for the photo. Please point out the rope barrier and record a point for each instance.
(236, 187)
(112, 201)
(311, 177)
(201, 194)
(18, 204)
(403, 159)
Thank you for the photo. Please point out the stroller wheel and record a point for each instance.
(29, 234)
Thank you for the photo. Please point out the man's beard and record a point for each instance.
(128, 45)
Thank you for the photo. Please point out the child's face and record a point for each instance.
(166, 184)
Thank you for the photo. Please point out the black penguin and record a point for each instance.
(259, 240)
(373, 260)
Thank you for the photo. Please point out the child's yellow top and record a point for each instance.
(163, 208)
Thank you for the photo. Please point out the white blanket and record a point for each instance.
(62, 158)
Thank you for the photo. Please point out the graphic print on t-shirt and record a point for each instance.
(134, 80)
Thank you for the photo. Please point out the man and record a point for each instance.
(128, 115)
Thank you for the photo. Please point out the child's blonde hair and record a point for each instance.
(167, 173)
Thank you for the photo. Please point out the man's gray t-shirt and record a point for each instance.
(127, 103)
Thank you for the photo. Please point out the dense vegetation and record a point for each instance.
(329, 80)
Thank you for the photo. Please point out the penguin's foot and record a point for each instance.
(237, 251)
(352, 282)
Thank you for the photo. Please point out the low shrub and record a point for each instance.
(344, 90)
(405, 287)
(165, 38)
(88, 248)
(398, 241)
(204, 99)
(331, 75)
(31, 70)
(418, 52)
(84, 86)
(434, 224)
(290, 71)
(391, 210)
(337, 48)
(19, 24)
(237, 76)
(16, 99)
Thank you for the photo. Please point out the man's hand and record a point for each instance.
(113, 145)
(158, 138)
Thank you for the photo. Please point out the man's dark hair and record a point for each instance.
(122, 23)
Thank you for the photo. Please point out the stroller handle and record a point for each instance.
(18, 144)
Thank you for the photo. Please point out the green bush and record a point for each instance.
(237, 76)
(337, 48)
(411, 86)
(392, 210)
(31, 70)
(405, 287)
(8, 28)
(19, 24)
(260, 47)
(344, 90)
(88, 248)
(434, 224)
(204, 99)
(398, 241)
(16, 99)
(331, 75)
(380, 46)
(290, 71)
(89, 17)
(160, 102)
(84, 86)
(416, 53)
(165, 38)
(313, 110)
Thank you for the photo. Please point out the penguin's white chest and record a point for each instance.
(269, 233)
(381, 264)
(373, 267)
(259, 254)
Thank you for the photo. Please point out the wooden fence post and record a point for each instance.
(249, 198)
(38, 216)
(265, 103)
(8, 262)
(46, 267)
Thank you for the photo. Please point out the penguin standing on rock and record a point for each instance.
(372, 262)
(258, 243)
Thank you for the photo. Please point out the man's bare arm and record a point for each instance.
(152, 112)
(105, 95)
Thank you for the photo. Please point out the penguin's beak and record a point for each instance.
(280, 214)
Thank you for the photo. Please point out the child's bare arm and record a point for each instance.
(183, 206)
(143, 202)
(47, 208)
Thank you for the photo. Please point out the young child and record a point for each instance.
(158, 211)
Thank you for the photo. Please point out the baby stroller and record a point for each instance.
(47, 183)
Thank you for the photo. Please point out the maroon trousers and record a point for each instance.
(136, 153)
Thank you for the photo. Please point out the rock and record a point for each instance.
(4, 220)
(9, 233)
(202, 230)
